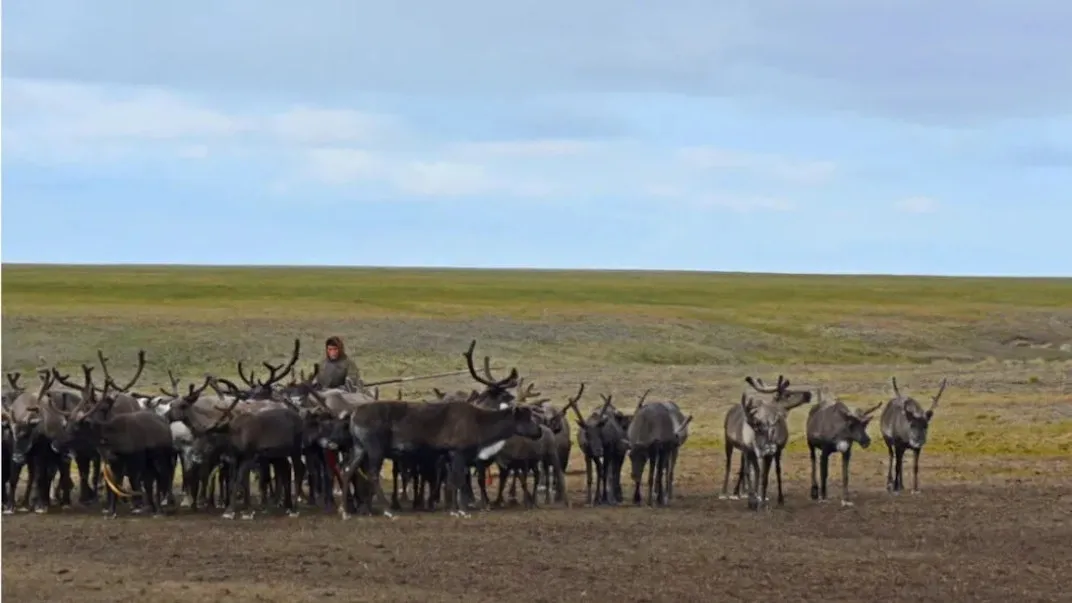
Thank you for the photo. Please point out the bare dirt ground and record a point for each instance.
(1006, 542)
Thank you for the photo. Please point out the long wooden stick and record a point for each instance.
(420, 377)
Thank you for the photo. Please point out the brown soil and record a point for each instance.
(951, 543)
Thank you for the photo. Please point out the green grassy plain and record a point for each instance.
(1005, 344)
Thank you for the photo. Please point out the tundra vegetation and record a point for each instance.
(171, 391)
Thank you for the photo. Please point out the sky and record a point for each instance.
(824, 136)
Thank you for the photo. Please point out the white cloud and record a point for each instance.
(339, 147)
(525, 148)
(791, 170)
(917, 205)
(307, 125)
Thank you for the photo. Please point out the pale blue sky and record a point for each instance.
(761, 135)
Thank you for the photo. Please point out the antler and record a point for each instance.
(108, 381)
(13, 379)
(643, 397)
(941, 390)
(572, 403)
(759, 386)
(681, 428)
(276, 373)
(867, 413)
(174, 386)
(508, 382)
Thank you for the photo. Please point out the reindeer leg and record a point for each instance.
(482, 476)
(13, 483)
(670, 477)
(287, 485)
(619, 462)
(753, 481)
(814, 477)
(898, 479)
(845, 457)
(778, 475)
(726, 478)
(824, 472)
(504, 474)
(530, 496)
(915, 470)
(889, 466)
(458, 471)
(764, 499)
(587, 479)
(743, 478)
(85, 495)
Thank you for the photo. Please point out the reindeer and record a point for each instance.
(654, 433)
(181, 436)
(137, 444)
(462, 430)
(271, 435)
(834, 428)
(757, 427)
(614, 441)
(85, 456)
(522, 455)
(904, 425)
(33, 425)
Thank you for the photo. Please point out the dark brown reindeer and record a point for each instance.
(522, 455)
(463, 431)
(655, 432)
(905, 425)
(757, 427)
(272, 435)
(831, 428)
(135, 444)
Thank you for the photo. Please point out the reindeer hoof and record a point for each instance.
(847, 503)
(292, 514)
(248, 516)
(815, 492)
(388, 514)
(916, 492)
(110, 515)
(8, 511)
(187, 502)
(735, 497)
(343, 515)
(228, 515)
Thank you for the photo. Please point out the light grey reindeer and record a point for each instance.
(757, 427)
(904, 426)
(834, 428)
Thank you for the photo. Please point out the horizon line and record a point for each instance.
(518, 269)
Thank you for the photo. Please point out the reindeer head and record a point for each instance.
(854, 428)
(919, 420)
(525, 422)
(766, 419)
(25, 418)
(496, 392)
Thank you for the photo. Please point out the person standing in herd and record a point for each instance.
(337, 366)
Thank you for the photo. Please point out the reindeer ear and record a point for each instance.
(929, 414)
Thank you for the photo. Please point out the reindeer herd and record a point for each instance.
(312, 444)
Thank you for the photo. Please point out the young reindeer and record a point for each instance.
(834, 428)
(654, 434)
(757, 427)
(904, 426)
